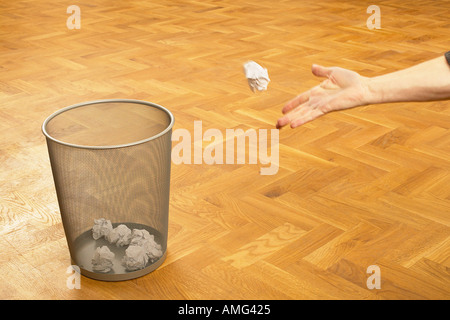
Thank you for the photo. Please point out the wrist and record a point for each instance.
(375, 93)
(369, 92)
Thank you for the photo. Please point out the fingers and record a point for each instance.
(307, 117)
(282, 122)
(297, 111)
(320, 71)
(300, 115)
(298, 100)
(287, 118)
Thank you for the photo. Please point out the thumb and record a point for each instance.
(321, 71)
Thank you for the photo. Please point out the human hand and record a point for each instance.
(342, 89)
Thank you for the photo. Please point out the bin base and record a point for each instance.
(122, 276)
(84, 247)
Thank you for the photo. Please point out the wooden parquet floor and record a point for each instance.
(367, 186)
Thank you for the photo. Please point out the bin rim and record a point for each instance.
(82, 104)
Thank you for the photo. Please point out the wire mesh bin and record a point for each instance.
(110, 161)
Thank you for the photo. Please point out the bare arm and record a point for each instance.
(345, 89)
(426, 81)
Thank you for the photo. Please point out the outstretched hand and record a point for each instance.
(342, 89)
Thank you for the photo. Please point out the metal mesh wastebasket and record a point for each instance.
(110, 161)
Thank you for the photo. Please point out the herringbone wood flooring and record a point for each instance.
(367, 186)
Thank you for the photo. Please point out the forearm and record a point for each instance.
(426, 81)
